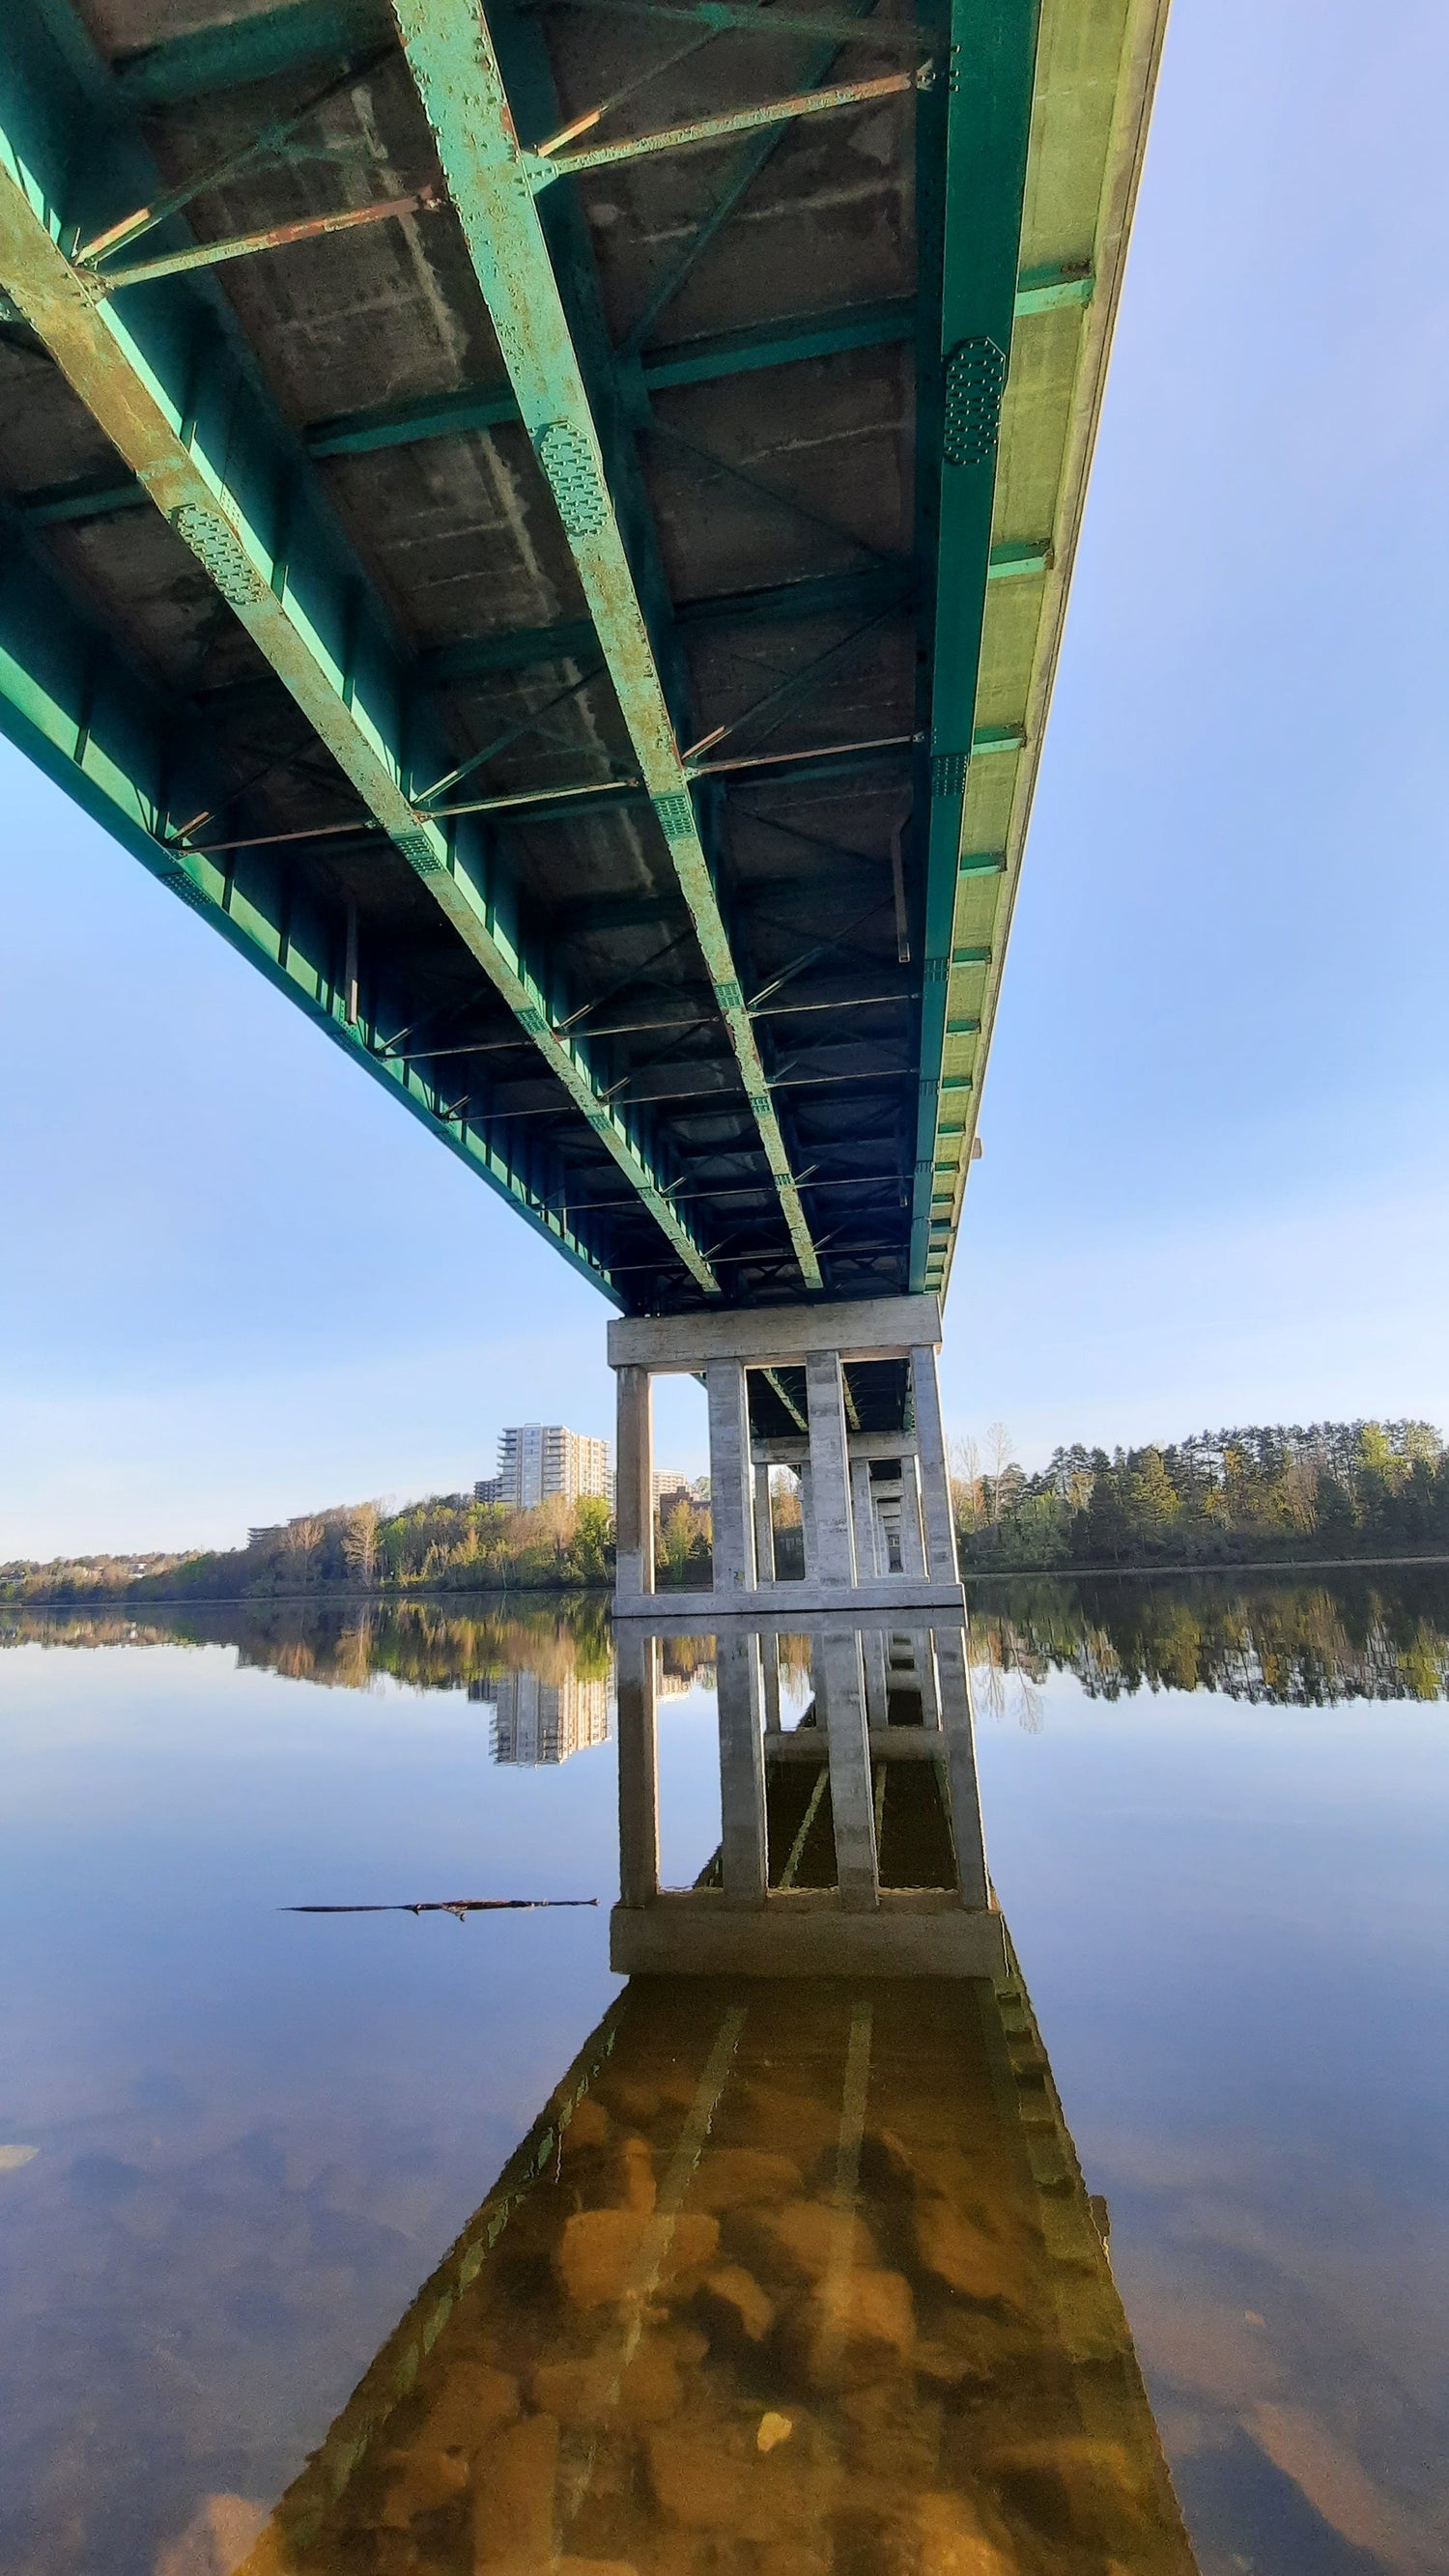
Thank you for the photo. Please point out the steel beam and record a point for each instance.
(709, 359)
(814, 595)
(452, 56)
(172, 395)
(127, 756)
(542, 169)
(978, 134)
(240, 50)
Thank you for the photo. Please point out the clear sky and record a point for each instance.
(239, 1282)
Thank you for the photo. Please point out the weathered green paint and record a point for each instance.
(115, 748)
(453, 60)
(543, 169)
(240, 50)
(708, 359)
(1048, 290)
(211, 254)
(987, 121)
(172, 402)
(748, 18)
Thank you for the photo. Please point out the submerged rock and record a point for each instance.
(513, 2498)
(733, 2298)
(855, 2327)
(804, 2240)
(599, 2251)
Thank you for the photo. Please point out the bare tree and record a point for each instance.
(359, 1541)
(304, 1537)
(998, 1450)
(964, 1465)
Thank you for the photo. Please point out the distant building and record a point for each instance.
(538, 1721)
(539, 1459)
(672, 1485)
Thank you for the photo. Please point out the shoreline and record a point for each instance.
(586, 1592)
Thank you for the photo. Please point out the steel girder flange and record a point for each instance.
(455, 65)
(161, 379)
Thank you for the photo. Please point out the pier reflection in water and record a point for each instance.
(234, 2141)
(796, 2272)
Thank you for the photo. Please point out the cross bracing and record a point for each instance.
(549, 529)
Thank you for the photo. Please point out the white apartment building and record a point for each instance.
(538, 1721)
(539, 1459)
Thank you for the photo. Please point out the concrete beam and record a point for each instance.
(873, 1328)
(786, 1606)
(665, 1940)
(788, 1451)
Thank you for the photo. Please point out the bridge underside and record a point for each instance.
(551, 531)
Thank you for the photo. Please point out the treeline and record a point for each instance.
(447, 1543)
(1270, 1491)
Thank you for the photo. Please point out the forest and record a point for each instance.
(1270, 1493)
(1266, 1493)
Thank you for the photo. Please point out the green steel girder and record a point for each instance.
(241, 50)
(812, 596)
(167, 386)
(816, 595)
(973, 144)
(708, 359)
(130, 757)
(452, 55)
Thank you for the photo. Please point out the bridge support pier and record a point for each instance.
(850, 1841)
(845, 1394)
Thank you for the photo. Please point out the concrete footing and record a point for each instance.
(699, 1938)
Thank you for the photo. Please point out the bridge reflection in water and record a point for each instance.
(795, 2273)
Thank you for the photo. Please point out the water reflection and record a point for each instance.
(246, 2139)
(796, 2272)
(1280, 1638)
(1283, 1640)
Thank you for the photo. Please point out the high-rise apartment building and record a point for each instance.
(538, 1721)
(539, 1459)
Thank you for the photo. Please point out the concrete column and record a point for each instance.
(913, 1553)
(741, 1771)
(888, 1527)
(829, 1470)
(807, 1516)
(729, 1477)
(837, 1654)
(638, 1767)
(770, 1660)
(958, 1724)
(938, 1520)
(873, 1656)
(862, 1512)
(764, 1528)
(929, 1680)
(634, 1485)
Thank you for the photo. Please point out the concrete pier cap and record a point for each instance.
(846, 1396)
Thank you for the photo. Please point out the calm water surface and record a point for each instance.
(234, 2141)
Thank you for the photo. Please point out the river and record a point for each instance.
(235, 2139)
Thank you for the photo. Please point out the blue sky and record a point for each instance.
(239, 1282)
